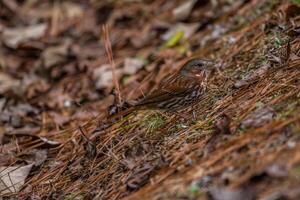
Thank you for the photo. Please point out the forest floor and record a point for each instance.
(240, 141)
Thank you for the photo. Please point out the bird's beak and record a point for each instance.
(200, 75)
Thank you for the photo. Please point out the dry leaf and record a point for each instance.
(258, 117)
(188, 30)
(55, 55)
(7, 82)
(132, 65)
(103, 77)
(223, 193)
(35, 156)
(13, 178)
(183, 10)
(13, 37)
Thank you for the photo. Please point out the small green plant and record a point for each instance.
(277, 42)
(153, 122)
(194, 190)
(295, 2)
(259, 104)
(264, 61)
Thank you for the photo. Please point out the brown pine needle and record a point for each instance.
(111, 61)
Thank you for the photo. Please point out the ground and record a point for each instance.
(66, 65)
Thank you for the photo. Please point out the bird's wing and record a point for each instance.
(165, 91)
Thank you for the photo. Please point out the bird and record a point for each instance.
(176, 91)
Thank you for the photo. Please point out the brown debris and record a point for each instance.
(62, 74)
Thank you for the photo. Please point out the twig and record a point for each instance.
(54, 19)
(111, 61)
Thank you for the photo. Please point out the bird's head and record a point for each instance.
(197, 68)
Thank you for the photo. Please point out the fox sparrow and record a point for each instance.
(177, 91)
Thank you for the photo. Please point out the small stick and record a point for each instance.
(55, 19)
(111, 61)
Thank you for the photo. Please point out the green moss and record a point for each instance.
(263, 61)
(194, 190)
(277, 42)
(153, 122)
(259, 104)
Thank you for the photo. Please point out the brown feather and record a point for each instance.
(176, 91)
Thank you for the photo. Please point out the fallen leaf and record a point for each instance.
(7, 83)
(14, 114)
(13, 178)
(35, 156)
(252, 77)
(13, 37)
(186, 30)
(258, 118)
(55, 55)
(132, 65)
(174, 39)
(71, 10)
(277, 170)
(224, 193)
(103, 77)
(183, 11)
(139, 39)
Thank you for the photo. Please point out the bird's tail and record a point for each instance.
(111, 120)
(122, 113)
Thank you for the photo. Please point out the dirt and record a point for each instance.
(66, 65)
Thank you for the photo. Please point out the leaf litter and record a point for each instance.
(240, 141)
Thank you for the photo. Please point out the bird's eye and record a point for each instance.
(199, 65)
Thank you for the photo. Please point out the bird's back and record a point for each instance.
(173, 93)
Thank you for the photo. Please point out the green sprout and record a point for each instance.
(277, 42)
(194, 190)
(153, 122)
